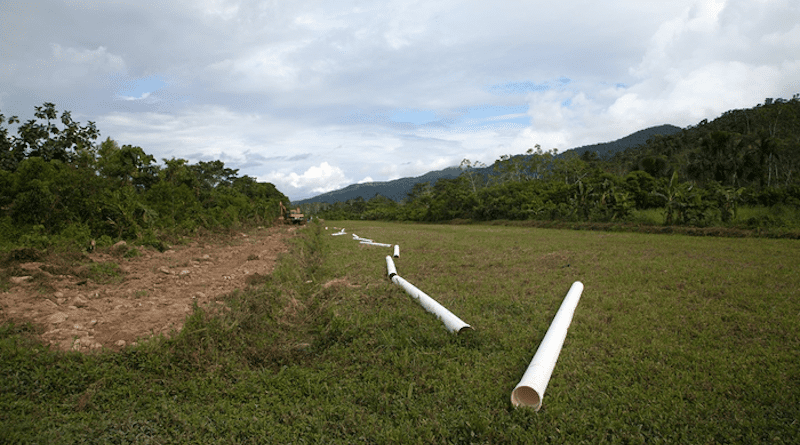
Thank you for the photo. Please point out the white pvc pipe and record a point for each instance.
(338, 233)
(451, 322)
(396, 251)
(373, 243)
(390, 267)
(358, 238)
(530, 390)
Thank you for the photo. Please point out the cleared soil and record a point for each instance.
(148, 294)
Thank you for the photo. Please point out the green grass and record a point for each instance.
(778, 216)
(675, 340)
(648, 216)
(104, 272)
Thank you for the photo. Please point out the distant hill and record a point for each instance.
(395, 190)
(398, 189)
(607, 149)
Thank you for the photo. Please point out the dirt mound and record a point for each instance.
(115, 299)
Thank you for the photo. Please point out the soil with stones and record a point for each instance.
(153, 293)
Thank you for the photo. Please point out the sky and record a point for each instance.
(316, 95)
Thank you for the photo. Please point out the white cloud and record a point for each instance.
(219, 9)
(317, 179)
(129, 98)
(703, 63)
(66, 69)
(96, 60)
(712, 57)
(264, 68)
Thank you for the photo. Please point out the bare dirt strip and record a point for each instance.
(153, 295)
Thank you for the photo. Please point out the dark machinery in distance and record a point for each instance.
(294, 216)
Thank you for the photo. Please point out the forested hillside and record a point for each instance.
(700, 176)
(607, 149)
(57, 184)
(398, 189)
(755, 148)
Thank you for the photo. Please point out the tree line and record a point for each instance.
(58, 184)
(699, 176)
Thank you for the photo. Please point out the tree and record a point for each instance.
(670, 195)
(214, 174)
(571, 168)
(177, 172)
(129, 165)
(417, 202)
(539, 163)
(452, 198)
(509, 168)
(49, 142)
(728, 199)
(9, 158)
(469, 168)
(683, 203)
(641, 185)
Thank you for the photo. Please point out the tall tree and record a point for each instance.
(49, 142)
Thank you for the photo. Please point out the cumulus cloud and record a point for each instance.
(98, 59)
(711, 57)
(316, 179)
(715, 56)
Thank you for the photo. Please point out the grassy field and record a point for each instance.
(675, 340)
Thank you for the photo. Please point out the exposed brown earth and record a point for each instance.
(152, 295)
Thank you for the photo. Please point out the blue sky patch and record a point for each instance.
(524, 87)
(478, 116)
(488, 115)
(518, 88)
(132, 89)
(416, 117)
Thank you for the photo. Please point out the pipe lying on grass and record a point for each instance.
(338, 233)
(390, 267)
(530, 390)
(358, 238)
(396, 251)
(451, 322)
(373, 243)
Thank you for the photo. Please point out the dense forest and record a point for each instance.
(58, 185)
(700, 176)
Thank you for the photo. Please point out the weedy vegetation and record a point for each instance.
(676, 339)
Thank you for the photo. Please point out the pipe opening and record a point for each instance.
(526, 396)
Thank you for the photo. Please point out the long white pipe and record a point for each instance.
(451, 322)
(373, 243)
(530, 390)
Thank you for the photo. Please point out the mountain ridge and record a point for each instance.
(397, 189)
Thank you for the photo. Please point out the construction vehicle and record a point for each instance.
(294, 216)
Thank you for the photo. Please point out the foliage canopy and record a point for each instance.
(58, 183)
